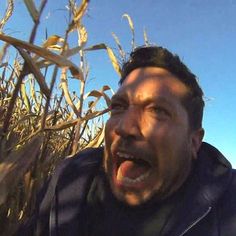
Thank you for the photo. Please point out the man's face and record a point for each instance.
(149, 146)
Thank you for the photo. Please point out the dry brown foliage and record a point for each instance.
(39, 126)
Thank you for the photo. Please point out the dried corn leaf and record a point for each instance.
(25, 97)
(42, 52)
(94, 93)
(145, 37)
(22, 120)
(72, 51)
(114, 61)
(55, 47)
(15, 166)
(105, 88)
(92, 104)
(34, 69)
(74, 122)
(121, 51)
(111, 55)
(95, 114)
(131, 25)
(66, 53)
(81, 10)
(78, 14)
(96, 47)
(3, 51)
(2, 112)
(4, 65)
(107, 99)
(52, 41)
(32, 93)
(9, 11)
(43, 63)
(64, 86)
(32, 10)
(83, 35)
(99, 94)
(63, 125)
(98, 140)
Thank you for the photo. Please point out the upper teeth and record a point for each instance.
(124, 155)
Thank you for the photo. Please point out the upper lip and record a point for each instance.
(124, 154)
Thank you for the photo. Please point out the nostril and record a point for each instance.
(128, 124)
(127, 129)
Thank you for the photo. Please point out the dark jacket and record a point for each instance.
(208, 207)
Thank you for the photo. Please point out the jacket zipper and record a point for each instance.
(196, 221)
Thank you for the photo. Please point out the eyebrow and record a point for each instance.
(118, 97)
(158, 100)
(146, 101)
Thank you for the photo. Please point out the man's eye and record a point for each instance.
(116, 107)
(159, 111)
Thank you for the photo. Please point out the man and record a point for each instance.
(154, 175)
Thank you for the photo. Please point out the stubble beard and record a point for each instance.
(128, 197)
(160, 191)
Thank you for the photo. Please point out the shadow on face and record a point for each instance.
(149, 145)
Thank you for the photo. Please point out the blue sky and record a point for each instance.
(201, 32)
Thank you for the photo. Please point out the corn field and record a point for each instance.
(42, 123)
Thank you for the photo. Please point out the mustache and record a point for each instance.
(137, 149)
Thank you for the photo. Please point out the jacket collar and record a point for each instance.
(209, 180)
(213, 173)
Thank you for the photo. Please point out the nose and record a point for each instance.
(128, 125)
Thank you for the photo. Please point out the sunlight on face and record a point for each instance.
(148, 144)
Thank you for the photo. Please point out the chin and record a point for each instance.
(131, 198)
(129, 193)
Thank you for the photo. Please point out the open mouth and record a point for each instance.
(131, 170)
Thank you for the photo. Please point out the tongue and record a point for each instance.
(133, 170)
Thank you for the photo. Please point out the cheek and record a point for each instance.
(107, 149)
(148, 129)
(155, 132)
(168, 144)
(109, 132)
(110, 139)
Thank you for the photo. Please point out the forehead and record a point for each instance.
(152, 82)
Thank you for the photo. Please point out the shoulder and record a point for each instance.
(87, 158)
(216, 174)
(227, 208)
(70, 173)
(230, 194)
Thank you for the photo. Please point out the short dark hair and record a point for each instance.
(155, 56)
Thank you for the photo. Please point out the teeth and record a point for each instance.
(128, 181)
(124, 155)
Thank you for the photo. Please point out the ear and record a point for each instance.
(196, 141)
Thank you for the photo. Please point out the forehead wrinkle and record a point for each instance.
(136, 94)
(146, 76)
(146, 72)
(140, 99)
(145, 85)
